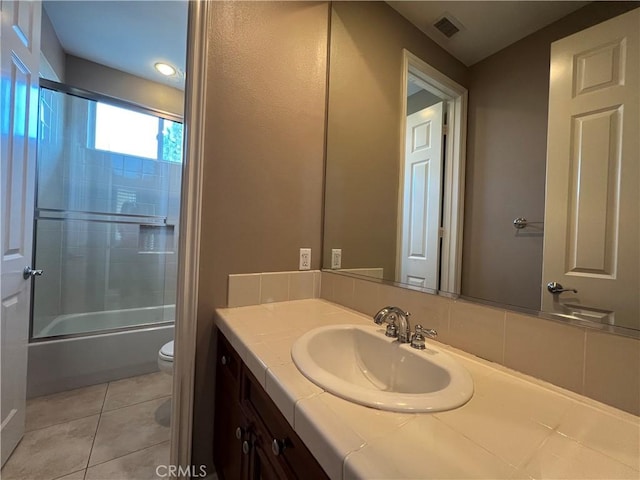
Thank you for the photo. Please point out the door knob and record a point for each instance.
(555, 287)
(28, 273)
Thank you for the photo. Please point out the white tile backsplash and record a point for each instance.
(274, 287)
(244, 290)
(259, 288)
(301, 285)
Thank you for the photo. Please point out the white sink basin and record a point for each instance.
(362, 365)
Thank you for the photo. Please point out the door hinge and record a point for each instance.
(441, 232)
(445, 129)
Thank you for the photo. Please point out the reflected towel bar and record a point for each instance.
(522, 222)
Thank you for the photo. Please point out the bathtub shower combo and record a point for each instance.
(106, 236)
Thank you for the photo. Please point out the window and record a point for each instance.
(129, 132)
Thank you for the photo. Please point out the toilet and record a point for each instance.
(165, 358)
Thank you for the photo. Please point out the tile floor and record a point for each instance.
(114, 431)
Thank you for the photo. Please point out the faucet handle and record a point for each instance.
(417, 339)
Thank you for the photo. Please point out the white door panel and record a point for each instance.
(422, 198)
(591, 234)
(20, 38)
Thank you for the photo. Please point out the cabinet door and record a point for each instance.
(230, 460)
(293, 459)
(227, 453)
(241, 403)
(264, 467)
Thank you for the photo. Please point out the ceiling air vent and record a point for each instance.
(447, 27)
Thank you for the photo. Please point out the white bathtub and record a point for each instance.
(93, 322)
(60, 364)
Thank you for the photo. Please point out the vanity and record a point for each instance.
(272, 422)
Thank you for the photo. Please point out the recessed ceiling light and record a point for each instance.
(165, 69)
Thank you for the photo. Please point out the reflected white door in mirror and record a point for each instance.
(422, 197)
(591, 234)
(430, 200)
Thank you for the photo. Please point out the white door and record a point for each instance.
(422, 198)
(591, 240)
(20, 38)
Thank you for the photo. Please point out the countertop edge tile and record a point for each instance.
(286, 395)
(325, 435)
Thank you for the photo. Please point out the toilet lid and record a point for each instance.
(166, 352)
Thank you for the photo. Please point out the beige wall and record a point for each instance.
(263, 176)
(51, 48)
(506, 159)
(98, 78)
(363, 134)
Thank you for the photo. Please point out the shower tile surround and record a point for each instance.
(513, 427)
(103, 266)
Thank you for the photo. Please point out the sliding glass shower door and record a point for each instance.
(107, 214)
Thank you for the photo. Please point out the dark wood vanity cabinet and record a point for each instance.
(230, 426)
(252, 439)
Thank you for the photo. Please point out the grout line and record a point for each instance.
(170, 395)
(70, 473)
(130, 453)
(584, 362)
(95, 434)
(504, 337)
(104, 399)
(63, 422)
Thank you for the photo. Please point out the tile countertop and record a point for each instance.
(514, 426)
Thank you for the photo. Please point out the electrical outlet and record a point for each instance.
(305, 259)
(336, 258)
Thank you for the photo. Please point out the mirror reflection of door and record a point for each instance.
(422, 189)
(431, 181)
(591, 218)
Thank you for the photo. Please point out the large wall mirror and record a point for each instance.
(390, 114)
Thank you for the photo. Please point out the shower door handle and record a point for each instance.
(28, 273)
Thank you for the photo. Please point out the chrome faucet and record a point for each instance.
(391, 315)
(402, 330)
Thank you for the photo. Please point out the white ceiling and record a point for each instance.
(132, 35)
(126, 35)
(487, 27)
